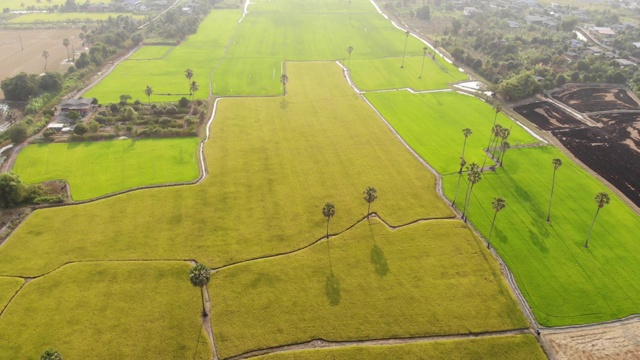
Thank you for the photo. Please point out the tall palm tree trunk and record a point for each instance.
(495, 119)
(553, 185)
(455, 196)
(422, 68)
(491, 231)
(328, 219)
(464, 145)
(586, 243)
(369, 210)
(465, 214)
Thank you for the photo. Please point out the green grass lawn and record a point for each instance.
(427, 279)
(389, 75)
(200, 52)
(273, 163)
(432, 125)
(70, 16)
(98, 168)
(564, 283)
(522, 347)
(8, 287)
(107, 310)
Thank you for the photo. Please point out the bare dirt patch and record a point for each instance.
(613, 342)
(13, 59)
(547, 116)
(592, 99)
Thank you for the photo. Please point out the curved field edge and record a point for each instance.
(522, 347)
(563, 283)
(141, 310)
(94, 169)
(435, 276)
(295, 149)
(9, 286)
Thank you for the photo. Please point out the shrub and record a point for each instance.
(80, 129)
(184, 102)
(114, 108)
(49, 133)
(171, 110)
(18, 133)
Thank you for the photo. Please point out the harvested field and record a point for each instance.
(612, 151)
(547, 116)
(14, 60)
(614, 342)
(592, 99)
(606, 153)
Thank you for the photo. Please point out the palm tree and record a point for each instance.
(497, 107)
(474, 176)
(329, 210)
(284, 79)
(45, 55)
(370, 195)
(497, 204)
(462, 164)
(51, 354)
(406, 39)
(466, 132)
(66, 43)
(193, 88)
(199, 275)
(349, 50)
(504, 135)
(556, 165)
(424, 55)
(148, 91)
(602, 199)
(497, 134)
(189, 74)
(503, 150)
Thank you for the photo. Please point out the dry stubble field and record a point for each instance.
(14, 60)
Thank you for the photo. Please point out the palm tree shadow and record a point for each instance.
(284, 104)
(332, 289)
(379, 261)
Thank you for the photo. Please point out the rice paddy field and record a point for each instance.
(413, 270)
(363, 284)
(93, 169)
(200, 52)
(523, 347)
(264, 192)
(247, 58)
(564, 283)
(89, 309)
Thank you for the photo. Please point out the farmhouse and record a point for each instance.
(81, 105)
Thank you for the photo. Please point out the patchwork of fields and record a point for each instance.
(116, 270)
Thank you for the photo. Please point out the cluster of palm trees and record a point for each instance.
(497, 147)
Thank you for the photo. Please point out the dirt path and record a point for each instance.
(324, 344)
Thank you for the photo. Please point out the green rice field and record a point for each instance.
(98, 168)
(439, 115)
(90, 309)
(563, 282)
(8, 287)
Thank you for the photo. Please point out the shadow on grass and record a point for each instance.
(379, 261)
(332, 289)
